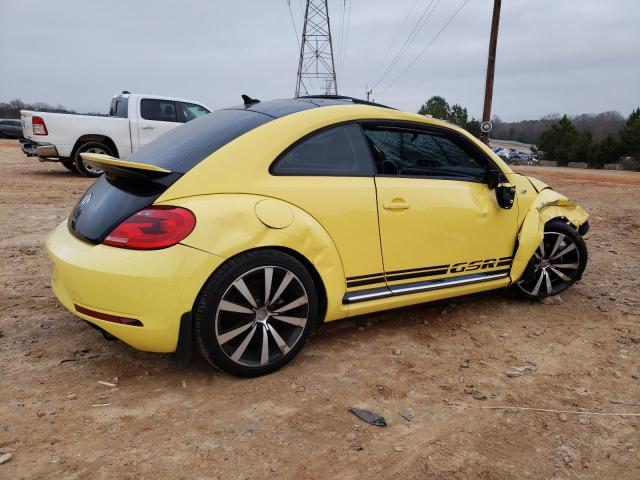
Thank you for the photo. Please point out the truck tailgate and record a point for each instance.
(27, 128)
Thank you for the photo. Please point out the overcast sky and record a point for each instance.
(563, 56)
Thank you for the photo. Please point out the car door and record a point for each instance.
(439, 220)
(329, 174)
(157, 116)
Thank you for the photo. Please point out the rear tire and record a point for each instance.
(87, 169)
(69, 165)
(255, 313)
(557, 263)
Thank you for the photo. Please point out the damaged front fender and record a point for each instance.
(548, 205)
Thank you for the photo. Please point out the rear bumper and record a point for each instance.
(102, 284)
(41, 150)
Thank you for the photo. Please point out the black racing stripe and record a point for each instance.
(428, 273)
(505, 258)
(504, 263)
(370, 275)
(435, 267)
(359, 283)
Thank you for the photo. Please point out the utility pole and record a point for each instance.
(491, 63)
(369, 92)
(316, 52)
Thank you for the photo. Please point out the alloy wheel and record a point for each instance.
(556, 263)
(90, 166)
(261, 316)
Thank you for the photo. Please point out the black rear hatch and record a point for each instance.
(123, 190)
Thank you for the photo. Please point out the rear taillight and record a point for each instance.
(153, 228)
(39, 127)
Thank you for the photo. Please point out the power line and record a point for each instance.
(293, 23)
(455, 14)
(343, 56)
(342, 12)
(397, 35)
(422, 20)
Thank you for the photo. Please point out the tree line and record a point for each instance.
(600, 125)
(596, 139)
(563, 142)
(12, 109)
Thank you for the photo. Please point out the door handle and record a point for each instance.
(396, 204)
(147, 127)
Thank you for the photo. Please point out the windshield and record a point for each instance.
(182, 148)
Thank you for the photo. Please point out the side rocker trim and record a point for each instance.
(415, 287)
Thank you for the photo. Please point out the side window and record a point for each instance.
(338, 151)
(119, 107)
(421, 154)
(191, 111)
(158, 110)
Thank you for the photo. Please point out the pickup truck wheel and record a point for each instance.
(69, 165)
(86, 169)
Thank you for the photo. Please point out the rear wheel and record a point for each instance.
(255, 313)
(557, 263)
(88, 169)
(69, 165)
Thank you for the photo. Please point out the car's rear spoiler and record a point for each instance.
(132, 175)
(107, 160)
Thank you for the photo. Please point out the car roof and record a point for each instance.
(159, 97)
(282, 107)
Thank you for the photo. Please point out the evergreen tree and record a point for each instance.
(459, 115)
(581, 149)
(630, 135)
(607, 151)
(557, 141)
(437, 107)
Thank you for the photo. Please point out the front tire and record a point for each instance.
(255, 313)
(88, 169)
(557, 263)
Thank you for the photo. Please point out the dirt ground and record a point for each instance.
(162, 422)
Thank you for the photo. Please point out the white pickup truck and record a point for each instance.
(133, 121)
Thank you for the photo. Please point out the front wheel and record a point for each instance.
(255, 313)
(557, 263)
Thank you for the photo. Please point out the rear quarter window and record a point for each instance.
(336, 151)
(183, 147)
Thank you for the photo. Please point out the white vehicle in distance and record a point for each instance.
(134, 120)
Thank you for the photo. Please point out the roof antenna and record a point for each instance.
(248, 100)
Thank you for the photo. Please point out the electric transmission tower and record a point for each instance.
(316, 52)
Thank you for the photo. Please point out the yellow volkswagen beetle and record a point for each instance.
(245, 227)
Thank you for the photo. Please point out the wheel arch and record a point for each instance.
(308, 265)
(228, 226)
(95, 138)
(549, 205)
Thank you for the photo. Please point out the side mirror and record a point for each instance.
(493, 179)
(505, 196)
